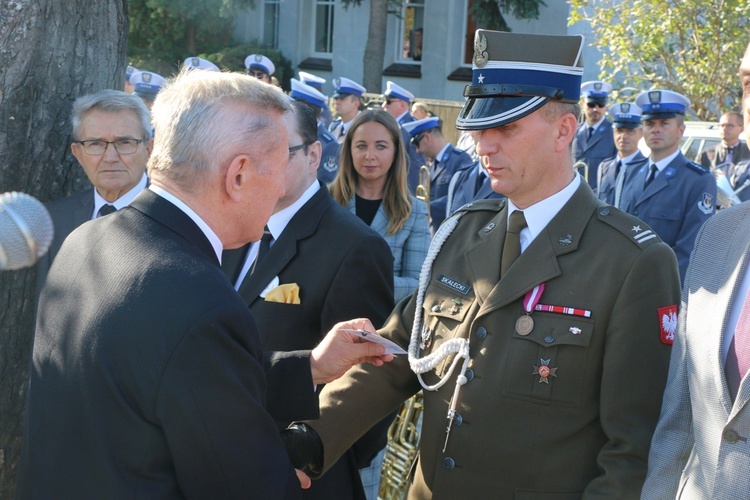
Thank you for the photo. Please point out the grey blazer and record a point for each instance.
(700, 448)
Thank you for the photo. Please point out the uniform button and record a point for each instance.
(731, 436)
(481, 332)
(549, 339)
(604, 211)
(635, 213)
(449, 463)
(436, 308)
(458, 420)
(469, 375)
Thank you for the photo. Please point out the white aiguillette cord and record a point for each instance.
(459, 347)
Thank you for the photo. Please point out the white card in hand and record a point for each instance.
(390, 347)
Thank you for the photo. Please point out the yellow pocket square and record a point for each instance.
(287, 293)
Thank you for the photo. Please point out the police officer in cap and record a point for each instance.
(348, 101)
(594, 142)
(317, 82)
(627, 133)
(192, 63)
(146, 85)
(260, 66)
(446, 160)
(534, 316)
(329, 158)
(670, 193)
(396, 100)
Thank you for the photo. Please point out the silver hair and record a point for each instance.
(110, 101)
(203, 117)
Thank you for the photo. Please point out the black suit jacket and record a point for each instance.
(344, 270)
(147, 376)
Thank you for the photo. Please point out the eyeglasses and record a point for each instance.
(418, 138)
(296, 148)
(595, 105)
(96, 147)
(389, 102)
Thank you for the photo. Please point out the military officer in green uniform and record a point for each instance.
(542, 372)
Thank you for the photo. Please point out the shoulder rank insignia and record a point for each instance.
(641, 236)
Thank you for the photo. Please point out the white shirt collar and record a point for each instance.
(628, 158)
(345, 126)
(539, 214)
(278, 221)
(123, 200)
(402, 115)
(662, 164)
(212, 238)
(595, 126)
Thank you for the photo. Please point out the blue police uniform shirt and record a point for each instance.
(468, 184)
(447, 162)
(594, 150)
(674, 205)
(415, 159)
(329, 157)
(608, 174)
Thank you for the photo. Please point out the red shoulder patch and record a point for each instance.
(668, 323)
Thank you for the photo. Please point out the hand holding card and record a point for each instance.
(390, 347)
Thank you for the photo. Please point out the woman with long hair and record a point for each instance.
(371, 183)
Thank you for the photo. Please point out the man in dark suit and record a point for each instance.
(147, 376)
(338, 267)
(112, 143)
(594, 141)
(614, 172)
(530, 314)
(426, 136)
(671, 194)
(731, 150)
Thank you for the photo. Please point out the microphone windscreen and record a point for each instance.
(26, 230)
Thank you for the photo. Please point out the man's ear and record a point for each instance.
(567, 124)
(77, 151)
(238, 177)
(149, 146)
(314, 152)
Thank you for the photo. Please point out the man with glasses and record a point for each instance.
(397, 101)
(594, 141)
(321, 266)
(427, 138)
(260, 67)
(731, 150)
(112, 142)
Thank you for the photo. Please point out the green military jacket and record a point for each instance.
(583, 430)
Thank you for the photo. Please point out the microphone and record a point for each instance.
(26, 230)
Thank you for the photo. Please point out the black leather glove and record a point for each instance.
(304, 447)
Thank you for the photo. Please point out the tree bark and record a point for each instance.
(375, 49)
(51, 52)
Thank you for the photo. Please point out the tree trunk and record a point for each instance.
(375, 49)
(51, 51)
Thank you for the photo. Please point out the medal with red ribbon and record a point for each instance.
(525, 324)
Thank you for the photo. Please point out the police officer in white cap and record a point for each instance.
(670, 193)
(397, 101)
(260, 66)
(129, 88)
(594, 142)
(614, 171)
(146, 85)
(534, 315)
(428, 140)
(329, 157)
(348, 101)
(192, 63)
(317, 82)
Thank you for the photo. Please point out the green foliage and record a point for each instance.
(164, 32)
(690, 46)
(489, 13)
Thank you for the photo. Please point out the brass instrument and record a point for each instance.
(423, 188)
(580, 164)
(401, 450)
(726, 195)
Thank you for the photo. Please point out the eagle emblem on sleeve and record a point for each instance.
(668, 323)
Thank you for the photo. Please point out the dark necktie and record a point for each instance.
(738, 357)
(342, 132)
(265, 245)
(591, 132)
(512, 245)
(730, 155)
(618, 166)
(106, 209)
(651, 175)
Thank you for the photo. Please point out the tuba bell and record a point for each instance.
(583, 168)
(401, 450)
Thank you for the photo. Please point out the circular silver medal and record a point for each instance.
(524, 325)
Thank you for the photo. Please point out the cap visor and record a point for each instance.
(341, 94)
(481, 113)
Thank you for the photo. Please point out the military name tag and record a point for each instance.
(455, 285)
(524, 325)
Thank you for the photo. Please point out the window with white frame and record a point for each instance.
(271, 23)
(324, 26)
(411, 33)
